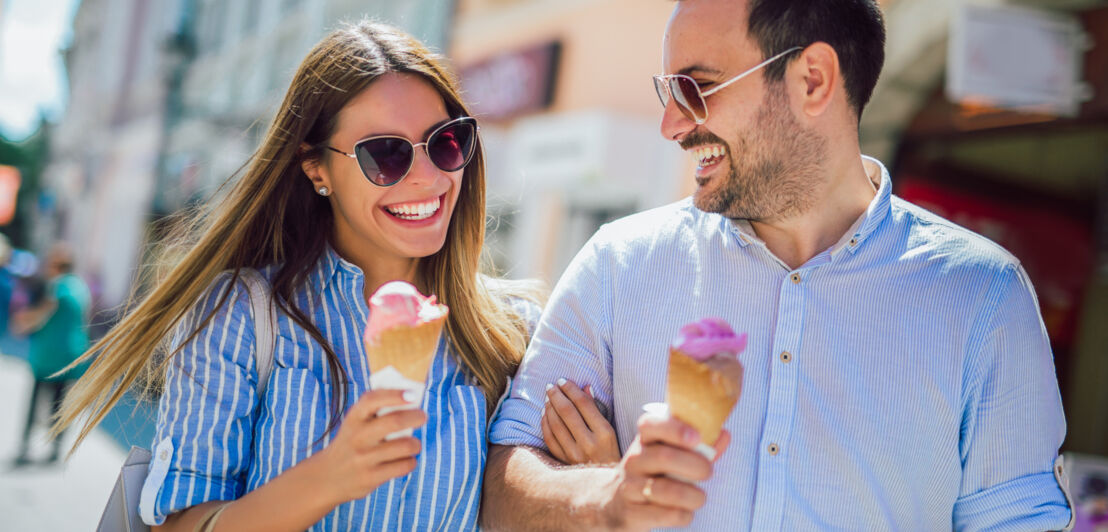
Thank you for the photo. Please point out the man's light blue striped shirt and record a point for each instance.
(900, 380)
(217, 446)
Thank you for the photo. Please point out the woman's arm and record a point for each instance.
(354, 464)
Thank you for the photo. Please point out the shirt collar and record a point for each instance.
(862, 228)
(329, 266)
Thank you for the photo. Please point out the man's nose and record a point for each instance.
(675, 125)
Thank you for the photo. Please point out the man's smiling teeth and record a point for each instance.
(709, 155)
(414, 211)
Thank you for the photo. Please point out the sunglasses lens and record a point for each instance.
(687, 95)
(452, 147)
(660, 88)
(384, 161)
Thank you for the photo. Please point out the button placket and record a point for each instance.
(780, 408)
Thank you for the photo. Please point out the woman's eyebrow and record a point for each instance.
(426, 132)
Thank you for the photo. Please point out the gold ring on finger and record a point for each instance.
(648, 489)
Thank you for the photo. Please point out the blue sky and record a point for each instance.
(32, 77)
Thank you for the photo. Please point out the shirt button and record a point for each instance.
(795, 278)
(773, 449)
(786, 357)
(854, 241)
(164, 455)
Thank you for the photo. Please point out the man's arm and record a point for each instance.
(1012, 422)
(32, 319)
(526, 489)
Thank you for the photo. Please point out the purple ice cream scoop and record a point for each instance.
(707, 337)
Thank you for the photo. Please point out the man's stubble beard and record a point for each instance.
(775, 171)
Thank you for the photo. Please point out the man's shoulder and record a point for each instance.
(932, 238)
(652, 226)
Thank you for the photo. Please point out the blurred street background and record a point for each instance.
(115, 114)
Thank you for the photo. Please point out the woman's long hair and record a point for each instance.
(272, 215)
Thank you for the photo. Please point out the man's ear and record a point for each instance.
(310, 164)
(816, 78)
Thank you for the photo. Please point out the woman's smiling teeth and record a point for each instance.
(414, 211)
(708, 155)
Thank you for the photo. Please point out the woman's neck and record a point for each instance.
(378, 269)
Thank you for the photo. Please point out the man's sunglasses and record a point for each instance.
(686, 92)
(386, 160)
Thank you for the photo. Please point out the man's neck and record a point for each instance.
(843, 199)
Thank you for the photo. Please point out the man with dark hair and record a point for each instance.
(898, 375)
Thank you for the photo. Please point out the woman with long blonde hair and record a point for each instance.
(372, 171)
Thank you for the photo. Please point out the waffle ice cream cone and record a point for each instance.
(401, 339)
(407, 349)
(705, 378)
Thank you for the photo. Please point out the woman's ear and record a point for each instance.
(311, 166)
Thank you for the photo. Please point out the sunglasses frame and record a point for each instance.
(666, 82)
(468, 157)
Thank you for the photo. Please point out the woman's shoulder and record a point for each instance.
(230, 290)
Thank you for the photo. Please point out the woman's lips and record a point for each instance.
(416, 214)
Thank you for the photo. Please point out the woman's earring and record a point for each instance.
(324, 191)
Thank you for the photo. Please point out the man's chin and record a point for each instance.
(708, 202)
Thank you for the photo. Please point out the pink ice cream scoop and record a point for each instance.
(399, 304)
(707, 337)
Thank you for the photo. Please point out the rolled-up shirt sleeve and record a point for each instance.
(204, 435)
(571, 342)
(1013, 422)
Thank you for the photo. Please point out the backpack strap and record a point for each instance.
(265, 325)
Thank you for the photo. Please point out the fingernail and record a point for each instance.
(561, 382)
(589, 389)
(409, 396)
(549, 387)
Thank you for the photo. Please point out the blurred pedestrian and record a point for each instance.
(57, 322)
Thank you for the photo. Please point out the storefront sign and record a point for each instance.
(513, 83)
(1017, 58)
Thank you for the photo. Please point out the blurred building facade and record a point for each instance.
(104, 152)
(569, 120)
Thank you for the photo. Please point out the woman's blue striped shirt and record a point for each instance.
(213, 444)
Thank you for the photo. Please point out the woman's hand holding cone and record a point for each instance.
(358, 459)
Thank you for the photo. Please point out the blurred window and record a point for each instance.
(250, 17)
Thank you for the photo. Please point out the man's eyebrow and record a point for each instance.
(698, 69)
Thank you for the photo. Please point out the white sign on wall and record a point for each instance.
(1017, 58)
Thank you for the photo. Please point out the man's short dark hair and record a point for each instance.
(854, 28)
